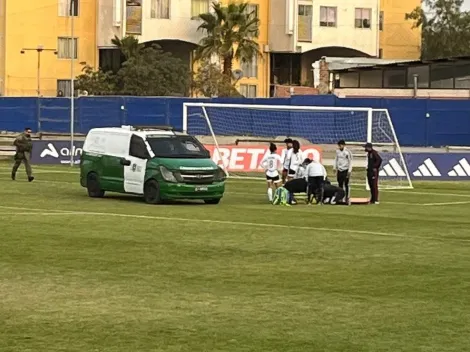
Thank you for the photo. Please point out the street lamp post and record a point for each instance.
(39, 50)
(72, 80)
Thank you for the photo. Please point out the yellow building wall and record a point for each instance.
(29, 23)
(2, 47)
(262, 81)
(399, 40)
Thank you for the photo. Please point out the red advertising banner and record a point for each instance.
(247, 158)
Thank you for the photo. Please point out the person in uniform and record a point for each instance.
(24, 146)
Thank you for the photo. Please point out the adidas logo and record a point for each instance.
(392, 169)
(50, 151)
(427, 169)
(462, 169)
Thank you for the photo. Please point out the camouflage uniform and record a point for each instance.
(24, 146)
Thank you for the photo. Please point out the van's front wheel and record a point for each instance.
(93, 186)
(152, 192)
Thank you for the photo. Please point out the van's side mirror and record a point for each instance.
(125, 162)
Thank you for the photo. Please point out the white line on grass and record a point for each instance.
(28, 213)
(447, 203)
(314, 229)
(428, 193)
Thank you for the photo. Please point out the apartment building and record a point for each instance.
(173, 24)
(36, 45)
(303, 31)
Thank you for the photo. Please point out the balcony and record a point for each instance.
(151, 20)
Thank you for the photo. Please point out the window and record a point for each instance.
(160, 9)
(64, 7)
(394, 78)
(441, 76)
(327, 16)
(138, 148)
(362, 18)
(381, 53)
(199, 7)
(462, 76)
(250, 68)
(423, 76)
(252, 10)
(349, 80)
(66, 47)
(177, 147)
(381, 21)
(370, 79)
(248, 90)
(304, 23)
(64, 86)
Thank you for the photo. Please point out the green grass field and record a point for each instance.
(115, 274)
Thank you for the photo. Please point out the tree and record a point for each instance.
(209, 81)
(129, 46)
(230, 33)
(445, 28)
(153, 73)
(96, 82)
(147, 71)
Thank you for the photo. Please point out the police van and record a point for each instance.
(157, 163)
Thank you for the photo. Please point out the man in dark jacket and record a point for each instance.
(24, 146)
(373, 164)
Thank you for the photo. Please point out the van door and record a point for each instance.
(134, 174)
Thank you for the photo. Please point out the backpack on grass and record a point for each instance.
(281, 196)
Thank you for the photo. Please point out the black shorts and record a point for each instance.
(291, 173)
(273, 179)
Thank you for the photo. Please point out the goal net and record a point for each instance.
(238, 136)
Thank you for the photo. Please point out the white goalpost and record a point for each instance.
(237, 132)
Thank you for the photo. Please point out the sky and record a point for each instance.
(466, 5)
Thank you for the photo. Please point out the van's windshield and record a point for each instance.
(177, 147)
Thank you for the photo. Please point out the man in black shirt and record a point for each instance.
(373, 164)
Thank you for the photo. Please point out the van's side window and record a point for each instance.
(138, 148)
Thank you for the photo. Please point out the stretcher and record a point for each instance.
(359, 201)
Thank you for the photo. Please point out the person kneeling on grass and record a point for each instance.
(332, 194)
(299, 183)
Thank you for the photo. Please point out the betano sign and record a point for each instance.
(244, 158)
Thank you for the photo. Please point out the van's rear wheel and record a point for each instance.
(212, 201)
(93, 186)
(152, 192)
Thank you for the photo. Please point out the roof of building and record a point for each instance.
(403, 64)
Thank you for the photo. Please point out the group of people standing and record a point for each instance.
(302, 175)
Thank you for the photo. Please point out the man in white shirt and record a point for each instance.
(315, 174)
(299, 183)
(343, 167)
(272, 163)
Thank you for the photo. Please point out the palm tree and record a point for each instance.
(129, 46)
(230, 34)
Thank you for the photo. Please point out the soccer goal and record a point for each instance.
(238, 136)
